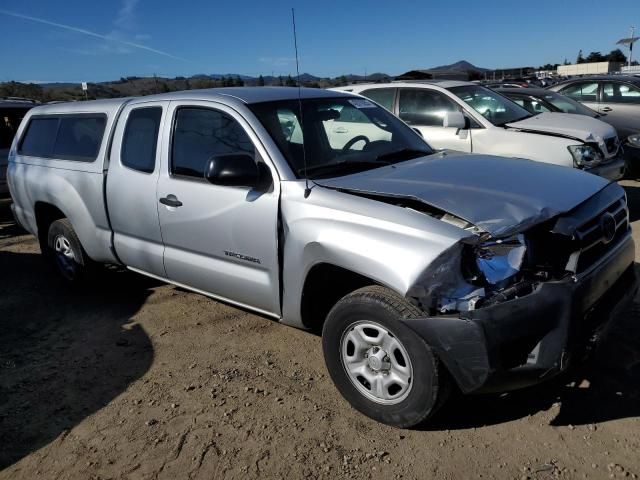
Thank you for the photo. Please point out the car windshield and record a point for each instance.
(499, 110)
(338, 136)
(567, 105)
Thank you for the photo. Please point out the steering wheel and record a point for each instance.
(355, 140)
(488, 114)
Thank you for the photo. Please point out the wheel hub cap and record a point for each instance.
(64, 256)
(376, 362)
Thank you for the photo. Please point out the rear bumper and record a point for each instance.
(527, 340)
(612, 170)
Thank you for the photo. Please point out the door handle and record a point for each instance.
(340, 130)
(607, 109)
(171, 201)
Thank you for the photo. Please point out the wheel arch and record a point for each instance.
(45, 214)
(324, 285)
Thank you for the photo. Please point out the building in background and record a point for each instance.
(594, 68)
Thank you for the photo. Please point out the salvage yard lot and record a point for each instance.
(131, 378)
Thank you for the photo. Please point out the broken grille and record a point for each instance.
(598, 235)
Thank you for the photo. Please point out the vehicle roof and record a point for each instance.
(620, 78)
(524, 91)
(11, 103)
(405, 84)
(247, 95)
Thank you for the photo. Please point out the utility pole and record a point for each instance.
(629, 41)
(633, 30)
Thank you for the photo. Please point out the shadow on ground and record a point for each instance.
(64, 354)
(8, 228)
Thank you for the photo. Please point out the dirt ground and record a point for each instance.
(131, 378)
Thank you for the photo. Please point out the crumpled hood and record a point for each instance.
(581, 127)
(500, 195)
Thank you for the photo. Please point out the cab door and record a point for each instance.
(220, 240)
(424, 109)
(132, 181)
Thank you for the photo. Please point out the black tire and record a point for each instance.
(429, 383)
(75, 269)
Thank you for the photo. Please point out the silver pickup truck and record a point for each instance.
(426, 271)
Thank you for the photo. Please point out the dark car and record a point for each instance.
(617, 96)
(11, 112)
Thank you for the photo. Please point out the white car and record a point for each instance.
(467, 117)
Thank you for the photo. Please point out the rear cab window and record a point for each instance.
(65, 137)
(140, 139)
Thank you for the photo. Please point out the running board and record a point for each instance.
(208, 294)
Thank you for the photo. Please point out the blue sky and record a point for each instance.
(75, 40)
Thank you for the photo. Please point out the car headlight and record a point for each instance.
(585, 156)
(634, 140)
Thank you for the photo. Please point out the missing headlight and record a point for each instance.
(498, 261)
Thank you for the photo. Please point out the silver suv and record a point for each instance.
(617, 97)
(423, 270)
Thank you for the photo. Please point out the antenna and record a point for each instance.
(307, 190)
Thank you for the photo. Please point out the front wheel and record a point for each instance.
(382, 367)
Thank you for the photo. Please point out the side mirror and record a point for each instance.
(233, 170)
(417, 130)
(455, 120)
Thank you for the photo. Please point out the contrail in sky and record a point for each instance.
(91, 34)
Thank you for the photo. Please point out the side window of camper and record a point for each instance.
(64, 137)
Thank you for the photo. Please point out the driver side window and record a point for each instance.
(424, 107)
(199, 134)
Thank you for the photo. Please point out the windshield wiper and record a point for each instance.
(502, 124)
(402, 154)
(342, 164)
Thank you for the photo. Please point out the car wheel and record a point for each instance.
(68, 256)
(382, 367)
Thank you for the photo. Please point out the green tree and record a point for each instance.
(280, 81)
(595, 57)
(238, 82)
(261, 81)
(290, 82)
(580, 58)
(617, 56)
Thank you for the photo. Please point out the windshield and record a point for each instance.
(567, 105)
(341, 136)
(499, 110)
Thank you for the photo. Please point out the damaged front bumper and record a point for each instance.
(529, 339)
(612, 170)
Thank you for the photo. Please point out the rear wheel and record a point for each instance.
(64, 248)
(381, 366)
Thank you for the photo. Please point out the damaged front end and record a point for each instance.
(507, 312)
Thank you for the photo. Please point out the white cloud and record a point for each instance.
(126, 15)
(115, 40)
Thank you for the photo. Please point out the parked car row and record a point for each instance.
(467, 117)
(616, 98)
(425, 270)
